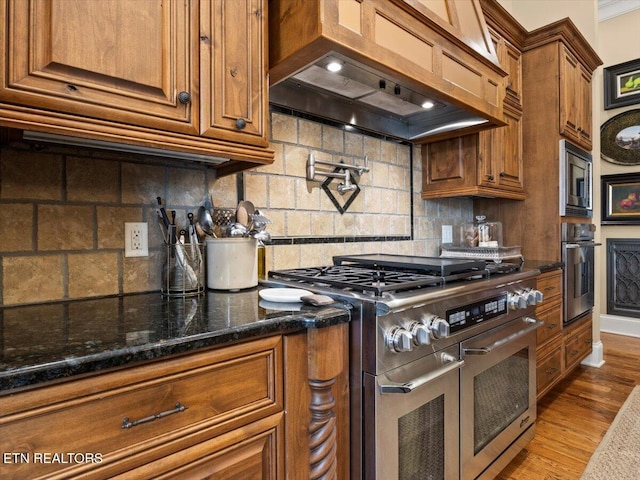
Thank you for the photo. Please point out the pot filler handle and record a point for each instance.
(534, 325)
(408, 387)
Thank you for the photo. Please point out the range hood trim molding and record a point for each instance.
(489, 57)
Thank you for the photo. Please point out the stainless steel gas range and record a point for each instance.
(442, 352)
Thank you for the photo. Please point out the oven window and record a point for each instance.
(501, 394)
(421, 442)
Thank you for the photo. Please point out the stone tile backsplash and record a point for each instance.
(62, 211)
(62, 215)
(302, 211)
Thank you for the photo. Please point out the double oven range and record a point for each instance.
(442, 362)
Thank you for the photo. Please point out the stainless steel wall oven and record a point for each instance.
(578, 248)
(436, 345)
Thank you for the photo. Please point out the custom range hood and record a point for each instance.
(416, 70)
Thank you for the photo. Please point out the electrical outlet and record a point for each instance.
(136, 239)
(447, 234)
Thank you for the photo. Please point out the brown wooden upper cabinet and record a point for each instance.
(176, 74)
(575, 100)
(487, 164)
(560, 63)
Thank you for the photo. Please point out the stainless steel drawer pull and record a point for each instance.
(127, 424)
(533, 325)
(408, 387)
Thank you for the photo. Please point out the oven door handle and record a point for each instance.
(408, 387)
(581, 245)
(534, 325)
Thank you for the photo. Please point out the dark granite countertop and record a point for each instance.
(45, 342)
(543, 265)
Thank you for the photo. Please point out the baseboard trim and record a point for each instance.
(596, 358)
(620, 325)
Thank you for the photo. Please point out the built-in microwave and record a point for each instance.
(576, 181)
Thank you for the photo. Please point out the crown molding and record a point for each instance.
(608, 9)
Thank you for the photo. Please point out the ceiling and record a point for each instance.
(612, 8)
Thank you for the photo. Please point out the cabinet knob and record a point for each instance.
(490, 178)
(241, 123)
(184, 97)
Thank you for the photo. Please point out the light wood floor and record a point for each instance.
(575, 415)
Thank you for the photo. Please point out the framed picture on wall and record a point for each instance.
(622, 84)
(621, 199)
(620, 138)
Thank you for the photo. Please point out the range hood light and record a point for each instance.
(334, 66)
(452, 126)
(35, 136)
(428, 105)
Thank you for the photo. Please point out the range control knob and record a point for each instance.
(399, 339)
(517, 300)
(420, 333)
(539, 296)
(533, 296)
(438, 327)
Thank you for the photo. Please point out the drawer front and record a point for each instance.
(550, 284)
(552, 318)
(253, 453)
(549, 370)
(218, 390)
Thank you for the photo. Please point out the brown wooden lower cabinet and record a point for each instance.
(217, 414)
(560, 348)
(549, 369)
(578, 340)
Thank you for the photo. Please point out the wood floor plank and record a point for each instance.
(575, 415)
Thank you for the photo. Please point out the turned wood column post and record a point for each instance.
(325, 364)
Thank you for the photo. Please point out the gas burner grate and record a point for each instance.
(359, 279)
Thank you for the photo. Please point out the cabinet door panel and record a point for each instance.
(449, 163)
(110, 59)
(569, 120)
(512, 168)
(500, 162)
(234, 69)
(585, 118)
(512, 62)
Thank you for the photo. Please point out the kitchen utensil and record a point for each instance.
(205, 222)
(259, 218)
(237, 230)
(262, 237)
(208, 203)
(163, 213)
(244, 211)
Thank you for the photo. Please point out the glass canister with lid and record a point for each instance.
(481, 233)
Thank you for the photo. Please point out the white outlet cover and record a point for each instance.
(136, 239)
(447, 234)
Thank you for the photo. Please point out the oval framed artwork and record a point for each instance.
(620, 138)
